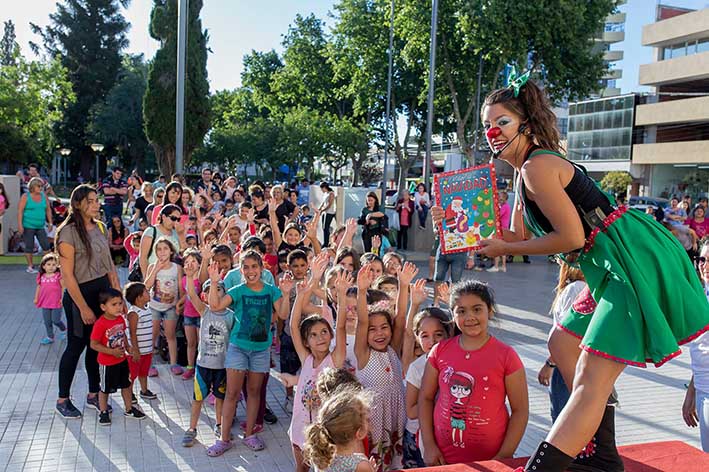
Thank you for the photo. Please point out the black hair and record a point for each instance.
(254, 242)
(433, 312)
(295, 255)
(346, 251)
(221, 249)
(245, 204)
(473, 287)
(132, 291)
(385, 280)
(192, 253)
(78, 195)
(250, 254)
(174, 186)
(169, 208)
(108, 294)
(376, 200)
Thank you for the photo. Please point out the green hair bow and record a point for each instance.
(516, 83)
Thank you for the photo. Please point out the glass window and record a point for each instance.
(702, 45)
(679, 50)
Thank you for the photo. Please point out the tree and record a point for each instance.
(33, 95)
(616, 182)
(8, 44)
(88, 37)
(159, 101)
(118, 120)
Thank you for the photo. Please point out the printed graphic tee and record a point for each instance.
(470, 417)
(214, 333)
(112, 334)
(252, 315)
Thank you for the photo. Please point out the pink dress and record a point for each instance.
(190, 311)
(383, 378)
(50, 290)
(307, 400)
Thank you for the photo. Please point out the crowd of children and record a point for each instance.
(361, 355)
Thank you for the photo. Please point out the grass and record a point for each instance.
(17, 260)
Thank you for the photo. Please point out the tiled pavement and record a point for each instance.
(33, 438)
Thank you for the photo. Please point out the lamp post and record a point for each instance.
(388, 105)
(97, 148)
(65, 155)
(431, 85)
(182, 13)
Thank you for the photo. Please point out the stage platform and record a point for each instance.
(669, 456)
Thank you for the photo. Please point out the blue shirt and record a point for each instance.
(252, 316)
(234, 277)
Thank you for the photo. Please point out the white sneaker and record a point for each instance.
(493, 269)
(32, 270)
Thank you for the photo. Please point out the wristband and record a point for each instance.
(549, 364)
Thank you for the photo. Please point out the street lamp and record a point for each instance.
(97, 148)
(65, 154)
(431, 87)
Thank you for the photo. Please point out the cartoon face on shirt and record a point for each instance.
(461, 386)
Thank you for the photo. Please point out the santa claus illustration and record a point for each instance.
(455, 217)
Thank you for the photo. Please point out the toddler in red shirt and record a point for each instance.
(108, 338)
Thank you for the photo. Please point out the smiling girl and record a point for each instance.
(469, 377)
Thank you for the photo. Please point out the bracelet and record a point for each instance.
(549, 364)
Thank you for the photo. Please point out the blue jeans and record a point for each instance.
(455, 262)
(423, 213)
(52, 317)
(558, 394)
(109, 211)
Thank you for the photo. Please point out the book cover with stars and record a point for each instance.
(469, 199)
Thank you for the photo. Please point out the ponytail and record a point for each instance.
(319, 448)
(534, 109)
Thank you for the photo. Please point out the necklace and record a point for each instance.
(467, 352)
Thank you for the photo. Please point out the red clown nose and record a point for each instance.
(492, 133)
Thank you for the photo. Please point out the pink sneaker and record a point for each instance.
(188, 374)
(152, 372)
(176, 369)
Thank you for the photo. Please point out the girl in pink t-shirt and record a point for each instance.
(469, 377)
(192, 262)
(312, 337)
(48, 297)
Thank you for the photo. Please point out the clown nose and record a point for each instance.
(492, 133)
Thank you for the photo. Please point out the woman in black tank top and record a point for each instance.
(624, 317)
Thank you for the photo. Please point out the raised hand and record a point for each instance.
(444, 292)
(319, 265)
(250, 215)
(287, 284)
(365, 277)
(376, 242)
(407, 273)
(213, 271)
(312, 227)
(351, 225)
(418, 292)
(343, 282)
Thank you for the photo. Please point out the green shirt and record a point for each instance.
(252, 316)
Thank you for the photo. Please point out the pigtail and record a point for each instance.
(319, 448)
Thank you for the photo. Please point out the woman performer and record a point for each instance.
(627, 315)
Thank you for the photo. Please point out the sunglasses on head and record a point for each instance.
(174, 218)
(701, 260)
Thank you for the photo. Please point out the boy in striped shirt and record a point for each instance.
(140, 329)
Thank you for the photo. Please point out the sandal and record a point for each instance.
(218, 448)
(256, 429)
(254, 443)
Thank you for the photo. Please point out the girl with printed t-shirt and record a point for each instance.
(253, 304)
(469, 377)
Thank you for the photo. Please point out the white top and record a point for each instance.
(566, 299)
(414, 376)
(418, 198)
(165, 291)
(699, 354)
(350, 358)
(143, 330)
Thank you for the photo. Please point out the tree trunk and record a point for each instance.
(166, 162)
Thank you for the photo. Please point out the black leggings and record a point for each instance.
(327, 221)
(79, 337)
(402, 238)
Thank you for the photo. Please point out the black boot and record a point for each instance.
(547, 458)
(600, 454)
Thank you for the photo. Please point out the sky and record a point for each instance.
(236, 27)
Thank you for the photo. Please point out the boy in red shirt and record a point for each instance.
(108, 338)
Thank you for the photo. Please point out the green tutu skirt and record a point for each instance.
(644, 298)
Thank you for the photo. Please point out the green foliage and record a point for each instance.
(33, 95)
(118, 120)
(8, 44)
(87, 36)
(616, 182)
(160, 97)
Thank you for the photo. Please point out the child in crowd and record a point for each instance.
(163, 280)
(392, 263)
(374, 262)
(426, 328)
(469, 377)
(305, 216)
(140, 337)
(377, 344)
(210, 376)
(48, 297)
(332, 442)
(132, 246)
(108, 338)
(253, 303)
(331, 380)
(311, 338)
(192, 261)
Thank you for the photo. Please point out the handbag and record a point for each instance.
(136, 274)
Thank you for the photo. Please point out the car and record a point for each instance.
(642, 203)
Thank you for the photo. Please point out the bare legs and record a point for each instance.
(593, 380)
